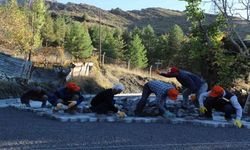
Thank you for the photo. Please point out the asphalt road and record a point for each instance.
(25, 130)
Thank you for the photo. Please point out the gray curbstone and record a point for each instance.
(93, 119)
(218, 118)
(128, 120)
(110, 119)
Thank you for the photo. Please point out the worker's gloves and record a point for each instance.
(202, 109)
(72, 104)
(118, 106)
(121, 114)
(58, 106)
(238, 123)
(168, 114)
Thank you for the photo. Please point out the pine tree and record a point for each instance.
(176, 36)
(78, 41)
(94, 33)
(60, 29)
(137, 53)
(48, 34)
(113, 44)
(37, 20)
(149, 40)
(127, 37)
(175, 41)
(161, 51)
(137, 31)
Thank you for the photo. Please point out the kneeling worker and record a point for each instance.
(103, 102)
(68, 95)
(35, 94)
(162, 91)
(221, 100)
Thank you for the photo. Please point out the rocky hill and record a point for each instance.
(159, 18)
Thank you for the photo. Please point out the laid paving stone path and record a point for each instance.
(218, 119)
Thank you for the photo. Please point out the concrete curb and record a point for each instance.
(8, 102)
(91, 117)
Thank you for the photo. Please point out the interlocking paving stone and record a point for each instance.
(218, 118)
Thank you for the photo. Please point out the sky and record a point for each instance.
(132, 4)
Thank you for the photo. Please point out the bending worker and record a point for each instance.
(162, 91)
(35, 94)
(104, 103)
(223, 101)
(193, 84)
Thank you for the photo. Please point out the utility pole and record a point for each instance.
(100, 40)
(129, 64)
(150, 71)
(157, 63)
(103, 57)
(33, 30)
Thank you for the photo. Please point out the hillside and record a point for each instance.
(159, 18)
(98, 80)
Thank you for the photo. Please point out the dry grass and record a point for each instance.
(106, 77)
(118, 71)
(240, 84)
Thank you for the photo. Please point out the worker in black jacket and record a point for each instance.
(103, 102)
(35, 94)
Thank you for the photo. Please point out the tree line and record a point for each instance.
(32, 26)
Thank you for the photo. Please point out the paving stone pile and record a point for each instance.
(184, 115)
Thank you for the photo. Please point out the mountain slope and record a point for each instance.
(159, 18)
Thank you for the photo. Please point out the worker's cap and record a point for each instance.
(173, 93)
(118, 87)
(173, 70)
(216, 91)
(73, 87)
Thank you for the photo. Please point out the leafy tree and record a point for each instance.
(137, 52)
(247, 37)
(15, 29)
(205, 48)
(78, 41)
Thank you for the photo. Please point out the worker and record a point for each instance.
(162, 91)
(222, 100)
(193, 84)
(69, 96)
(104, 103)
(35, 94)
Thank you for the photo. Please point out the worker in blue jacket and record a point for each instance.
(69, 96)
(193, 84)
